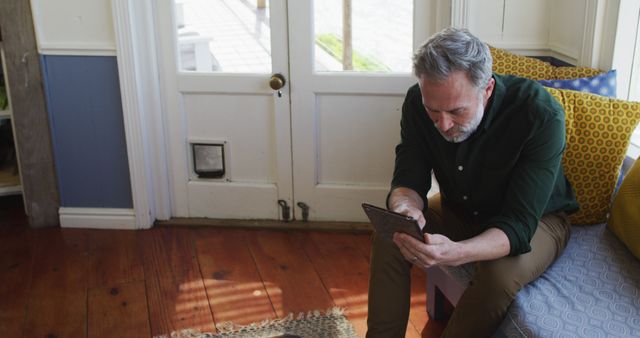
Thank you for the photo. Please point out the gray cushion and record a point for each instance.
(592, 290)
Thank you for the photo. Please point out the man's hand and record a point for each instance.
(407, 202)
(415, 213)
(440, 250)
(436, 250)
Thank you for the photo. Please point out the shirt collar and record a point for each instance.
(494, 103)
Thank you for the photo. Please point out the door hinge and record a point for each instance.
(305, 211)
(286, 210)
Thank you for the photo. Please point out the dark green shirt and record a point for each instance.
(507, 174)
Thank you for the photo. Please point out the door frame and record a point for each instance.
(141, 83)
(143, 110)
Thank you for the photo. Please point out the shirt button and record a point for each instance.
(475, 213)
(465, 197)
(460, 168)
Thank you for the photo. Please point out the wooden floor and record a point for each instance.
(106, 283)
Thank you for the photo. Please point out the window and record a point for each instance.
(234, 36)
(224, 36)
(626, 59)
(634, 148)
(349, 37)
(634, 88)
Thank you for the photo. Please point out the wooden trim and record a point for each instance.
(77, 49)
(606, 36)
(32, 132)
(142, 110)
(97, 218)
(591, 38)
(460, 13)
(442, 17)
(268, 224)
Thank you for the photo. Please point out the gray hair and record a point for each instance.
(454, 49)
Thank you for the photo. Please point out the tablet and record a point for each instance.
(386, 222)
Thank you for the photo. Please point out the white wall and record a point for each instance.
(522, 26)
(567, 27)
(575, 31)
(74, 27)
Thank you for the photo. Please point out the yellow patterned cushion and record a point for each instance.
(508, 63)
(505, 62)
(625, 212)
(598, 133)
(574, 72)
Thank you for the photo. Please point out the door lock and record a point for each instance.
(286, 210)
(305, 211)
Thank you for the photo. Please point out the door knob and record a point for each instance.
(277, 81)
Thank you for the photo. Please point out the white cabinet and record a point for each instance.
(485, 20)
(573, 28)
(562, 28)
(521, 24)
(9, 167)
(526, 23)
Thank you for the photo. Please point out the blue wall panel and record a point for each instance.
(85, 109)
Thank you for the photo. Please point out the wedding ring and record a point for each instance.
(414, 259)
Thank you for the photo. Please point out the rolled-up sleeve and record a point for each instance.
(412, 167)
(532, 182)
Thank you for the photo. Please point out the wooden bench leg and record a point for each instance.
(438, 310)
(441, 288)
(435, 297)
(435, 304)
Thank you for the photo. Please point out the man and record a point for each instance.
(495, 145)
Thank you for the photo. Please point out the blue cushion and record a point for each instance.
(592, 290)
(602, 84)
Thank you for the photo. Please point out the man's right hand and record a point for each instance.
(407, 202)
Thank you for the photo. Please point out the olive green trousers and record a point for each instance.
(493, 287)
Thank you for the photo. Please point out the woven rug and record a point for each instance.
(314, 324)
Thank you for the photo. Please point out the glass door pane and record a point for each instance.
(363, 35)
(230, 36)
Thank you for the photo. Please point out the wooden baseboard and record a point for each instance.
(268, 224)
(98, 218)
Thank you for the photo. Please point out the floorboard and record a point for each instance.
(175, 291)
(115, 258)
(58, 297)
(16, 259)
(234, 286)
(112, 283)
(118, 311)
(291, 281)
(343, 270)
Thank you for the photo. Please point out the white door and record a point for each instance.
(222, 116)
(240, 149)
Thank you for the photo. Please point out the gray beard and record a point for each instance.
(465, 131)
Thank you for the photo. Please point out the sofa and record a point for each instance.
(593, 288)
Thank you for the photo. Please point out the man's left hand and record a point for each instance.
(436, 250)
(440, 250)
